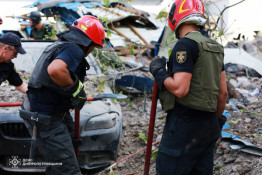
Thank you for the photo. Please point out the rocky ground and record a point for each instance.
(244, 105)
(245, 122)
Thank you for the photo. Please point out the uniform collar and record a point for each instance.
(203, 32)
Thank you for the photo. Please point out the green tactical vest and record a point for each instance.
(205, 82)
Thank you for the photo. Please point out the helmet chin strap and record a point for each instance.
(177, 34)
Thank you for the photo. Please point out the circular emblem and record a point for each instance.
(14, 161)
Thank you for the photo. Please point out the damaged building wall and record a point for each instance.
(238, 19)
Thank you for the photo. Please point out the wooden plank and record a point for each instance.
(111, 11)
(126, 51)
(129, 10)
(134, 30)
(119, 33)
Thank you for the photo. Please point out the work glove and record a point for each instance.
(157, 68)
(222, 120)
(78, 98)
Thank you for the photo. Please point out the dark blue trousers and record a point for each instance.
(55, 145)
(188, 142)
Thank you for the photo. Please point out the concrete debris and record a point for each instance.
(240, 57)
(244, 79)
(253, 47)
(244, 106)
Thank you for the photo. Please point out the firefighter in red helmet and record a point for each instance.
(193, 92)
(56, 86)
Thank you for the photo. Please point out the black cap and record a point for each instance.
(12, 39)
(35, 16)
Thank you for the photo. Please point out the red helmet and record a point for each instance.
(92, 27)
(186, 11)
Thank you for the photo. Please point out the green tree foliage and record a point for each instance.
(162, 15)
(107, 2)
(143, 137)
(154, 154)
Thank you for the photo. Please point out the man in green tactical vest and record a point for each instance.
(192, 91)
(38, 29)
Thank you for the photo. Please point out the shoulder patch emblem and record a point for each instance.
(181, 57)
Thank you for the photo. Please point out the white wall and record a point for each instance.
(244, 18)
(213, 9)
(152, 6)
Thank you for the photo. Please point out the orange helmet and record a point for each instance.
(92, 27)
(186, 11)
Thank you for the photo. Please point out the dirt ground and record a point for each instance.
(245, 122)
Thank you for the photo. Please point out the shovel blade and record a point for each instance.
(115, 96)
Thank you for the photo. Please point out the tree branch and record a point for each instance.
(221, 13)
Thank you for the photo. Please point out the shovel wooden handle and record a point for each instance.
(151, 129)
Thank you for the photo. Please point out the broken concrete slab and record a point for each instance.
(239, 56)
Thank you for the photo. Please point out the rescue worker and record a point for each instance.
(10, 46)
(192, 91)
(1, 21)
(38, 29)
(56, 86)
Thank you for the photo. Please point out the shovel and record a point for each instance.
(105, 96)
(77, 114)
(97, 97)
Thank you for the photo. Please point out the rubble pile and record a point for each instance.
(9, 93)
(253, 47)
(244, 105)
